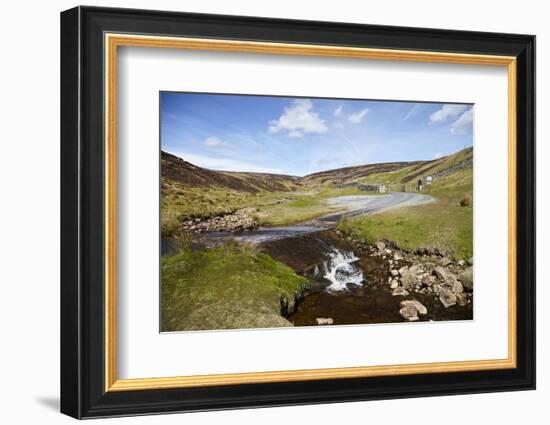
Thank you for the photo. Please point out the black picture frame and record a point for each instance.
(83, 392)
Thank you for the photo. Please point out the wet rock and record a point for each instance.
(408, 278)
(440, 272)
(428, 280)
(462, 299)
(417, 304)
(324, 321)
(409, 312)
(457, 287)
(467, 278)
(445, 261)
(400, 291)
(415, 268)
(447, 298)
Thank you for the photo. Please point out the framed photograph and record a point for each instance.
(261, 212)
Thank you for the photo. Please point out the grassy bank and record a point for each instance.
(179, 203)
(444, 224)
(229, 287)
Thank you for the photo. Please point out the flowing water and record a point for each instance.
(340, 270)
(347, 286)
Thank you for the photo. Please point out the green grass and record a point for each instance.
(179, 203)
(394, 179)
(443, 224)
(228, 287)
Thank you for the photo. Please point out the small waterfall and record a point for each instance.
(340, 270)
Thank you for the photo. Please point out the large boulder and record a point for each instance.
(462, 299)
(418, 305)
(428, 280)
(440, 272)
(324, 321)
(409, 312)
(467, 278)
(447, 298)
(408, 277)
(457, 287)
(400, 291)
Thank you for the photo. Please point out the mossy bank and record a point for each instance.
(228, 287)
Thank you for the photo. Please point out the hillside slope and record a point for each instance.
(345, 175)
(177, 170)
(452, 172)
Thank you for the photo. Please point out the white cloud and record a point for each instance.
(447, 112)
(358, 116)
(298, 120)
(225, 164)
(464, 124)
(338, 111)
(213, 141)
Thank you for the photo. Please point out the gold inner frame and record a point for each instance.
(113, 41)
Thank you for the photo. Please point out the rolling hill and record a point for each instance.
(177, 170)
(191, 192)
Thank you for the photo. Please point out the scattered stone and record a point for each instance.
(394, 273)
(388, 251)
(400, 291)
(467, 278)
(324, 321)
(440, 272)
(394, 284)
(417, 304)
(447, 298)
(471, 261)
(397, 256)
(380, 245)
(403, 270)
(445, 261)
(461, 263)
(409, 312)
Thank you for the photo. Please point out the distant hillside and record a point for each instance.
(393, 174)
(176, 169)
(450, 170)
(348, 174)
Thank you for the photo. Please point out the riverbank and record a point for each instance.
(228, 287)
(318, 277)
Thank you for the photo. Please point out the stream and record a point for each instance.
(345, 284)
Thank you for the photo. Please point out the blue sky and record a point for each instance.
(299, 136)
